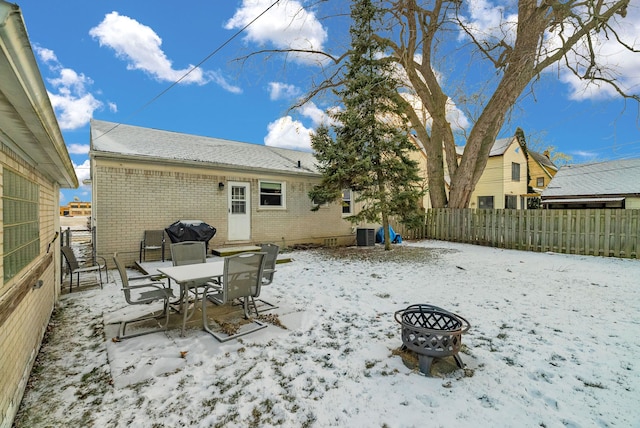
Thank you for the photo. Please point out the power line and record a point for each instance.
(215, 51)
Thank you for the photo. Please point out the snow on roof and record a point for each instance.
(499, 147)
(619, 177)
(139, 142)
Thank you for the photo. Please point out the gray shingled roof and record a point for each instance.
(543, 160)
(620, 177)
(499, 147)
(154, 144)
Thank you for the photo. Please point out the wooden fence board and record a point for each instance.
(603, 232)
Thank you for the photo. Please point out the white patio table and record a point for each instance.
(190, 276)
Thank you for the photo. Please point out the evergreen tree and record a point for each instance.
(368, 150)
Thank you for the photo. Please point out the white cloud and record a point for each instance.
(78, 149)
(454, 115)
(490, 21)
(279, 90)
(611, 56)
(112, 107)
(140, 47)
(83, 171)
(73, 104)
(289, 134)
(287, 25)
(74, 111)
(317, 115)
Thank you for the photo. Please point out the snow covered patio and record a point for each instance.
(554, 341)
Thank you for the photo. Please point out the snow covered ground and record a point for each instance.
(554, 342)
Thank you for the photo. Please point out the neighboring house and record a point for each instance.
(541, 171)
(34, 166)
(503, 183)
(612, 184)
(76, 209)
(144, 179)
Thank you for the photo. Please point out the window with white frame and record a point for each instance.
(540, 182)
(347, 202)
(272, 194)
(515, 171)
(21, 228)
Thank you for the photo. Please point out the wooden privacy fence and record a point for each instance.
(598, 232)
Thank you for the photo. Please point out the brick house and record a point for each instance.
(34, 166)
(144, 179)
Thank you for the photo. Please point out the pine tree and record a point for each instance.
(367, 150)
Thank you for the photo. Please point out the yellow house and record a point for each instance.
(513, 178)
(504, 181)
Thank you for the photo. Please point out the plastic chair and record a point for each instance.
(76, 269)
(152, 240)
(242, 279)
(144, 293)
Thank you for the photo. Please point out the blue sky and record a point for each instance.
(117, 61)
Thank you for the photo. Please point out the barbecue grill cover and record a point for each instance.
(190, 230)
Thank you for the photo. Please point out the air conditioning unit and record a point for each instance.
(365, 237)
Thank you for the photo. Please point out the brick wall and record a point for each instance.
(25, 311)
(129, 198)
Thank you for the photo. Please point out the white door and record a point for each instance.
(239, 211)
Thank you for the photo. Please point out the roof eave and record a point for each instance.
(27, 118)
(96, 154)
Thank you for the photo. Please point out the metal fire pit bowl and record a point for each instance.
(431, 332)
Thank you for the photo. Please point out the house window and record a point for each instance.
(540, 182)
(485, 202)
(347, 202)
(515, 171)
(315, 204)
(272, 194)
(21, 228)
(510, 202)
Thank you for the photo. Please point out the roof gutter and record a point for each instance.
(28, 122)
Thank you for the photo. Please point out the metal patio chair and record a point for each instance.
(271, 258)
(188, 253)
(242, 279)
(152, 240)
(76, 269)
(143, 293)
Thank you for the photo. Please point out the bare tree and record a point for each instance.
(546, 33)
(539, 35)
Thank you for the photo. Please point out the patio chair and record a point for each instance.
(143, 293)
(271, 251)
(75, 268)
(152, 240)
(188, 253)
(242, 279)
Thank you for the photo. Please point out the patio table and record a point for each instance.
(191, 276)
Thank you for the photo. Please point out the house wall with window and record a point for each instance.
(34, 165)
(133, 193)
(504, 179)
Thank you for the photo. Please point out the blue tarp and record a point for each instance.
(395, 238)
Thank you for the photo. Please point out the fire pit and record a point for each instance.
(431, 332)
